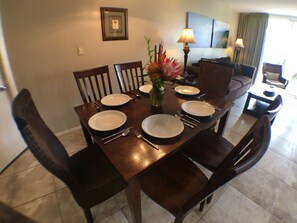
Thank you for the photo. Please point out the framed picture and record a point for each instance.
(202, 29)
(114, 23)
(220, 34)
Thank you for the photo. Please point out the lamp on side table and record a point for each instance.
(186, 37)
(238, 46)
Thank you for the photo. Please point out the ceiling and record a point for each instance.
(276, 7)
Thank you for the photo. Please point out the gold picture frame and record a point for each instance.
(114, 23)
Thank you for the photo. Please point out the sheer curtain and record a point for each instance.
(280, 48)
(252, 28)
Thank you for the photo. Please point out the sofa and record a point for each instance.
(242, 77)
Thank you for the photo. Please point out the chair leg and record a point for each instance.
(201, 205)
(208, 200)
(88, 215)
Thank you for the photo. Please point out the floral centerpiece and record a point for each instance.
(161, 69)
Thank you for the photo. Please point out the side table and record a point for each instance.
(258, 94)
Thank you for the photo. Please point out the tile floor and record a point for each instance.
(267, 193)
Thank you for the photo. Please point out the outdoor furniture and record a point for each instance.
(89, 175)
(272, 74)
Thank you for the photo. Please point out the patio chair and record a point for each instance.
(272, 74)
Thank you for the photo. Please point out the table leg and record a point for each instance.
(247, 102)
(222, 123)
(133, 196)
(86, 134)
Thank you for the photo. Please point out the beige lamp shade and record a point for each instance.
(187, 36)
(239, 43)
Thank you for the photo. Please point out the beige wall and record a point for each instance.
(42, 37)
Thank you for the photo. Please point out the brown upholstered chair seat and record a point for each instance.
(209, 149)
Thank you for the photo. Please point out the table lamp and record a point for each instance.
(238, 46)
(186, 37)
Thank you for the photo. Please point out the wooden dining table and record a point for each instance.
(132, 156)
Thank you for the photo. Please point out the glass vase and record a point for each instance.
(157, 96)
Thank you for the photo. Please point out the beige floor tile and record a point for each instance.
(73, 141)
(8, 171)
(292, 175)
(280, 146)
(71, 212)
(25, 162)
(151, 212)
(117, 217)
(275, 164)
(293, 145)
(29, 185)
(234, 207)
(286, 209)
(58, 183)
(41, 207)
(260, 186)
(5, 184)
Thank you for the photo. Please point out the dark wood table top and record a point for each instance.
(131, 155)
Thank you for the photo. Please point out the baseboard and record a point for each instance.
(68, 131)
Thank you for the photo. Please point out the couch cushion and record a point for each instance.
(244, 80)
(237, 69)
(234, 85)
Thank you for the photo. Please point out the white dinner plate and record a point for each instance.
(107, 120)
(198, 108)
(145, 88)
(162, 126)
(115, 99)
(187, 90)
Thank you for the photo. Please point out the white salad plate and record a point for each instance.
(162, 126)
(115, 99)
(107, 120)
(198, 108)
(187, 90)
(145, 88)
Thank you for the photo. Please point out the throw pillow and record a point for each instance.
(272, 76)
(237, 69)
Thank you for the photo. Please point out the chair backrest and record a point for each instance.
(129, 75)
(274, 108)
(272, 70)
(44, 145)
(245, 154)
(214, 78)
(93, 84)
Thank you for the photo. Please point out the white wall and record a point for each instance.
(42, 36)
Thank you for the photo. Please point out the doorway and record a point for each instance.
(280, 48)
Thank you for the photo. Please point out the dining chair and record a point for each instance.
(274, 107)
(178, 185)
(130, 75)
(93, 84)
(272, 74)
(214, 78)
(89, 175)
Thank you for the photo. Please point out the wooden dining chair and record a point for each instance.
(214, 78)
(272, 74)
(129, 75)
(93, 84)
(89, 175)
(274, 108)
(178, 185)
